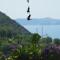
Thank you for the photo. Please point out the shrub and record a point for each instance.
(50, 53)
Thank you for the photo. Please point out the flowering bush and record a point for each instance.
(51, 53)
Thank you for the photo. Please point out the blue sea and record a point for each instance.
(44, 26)
(45, 30)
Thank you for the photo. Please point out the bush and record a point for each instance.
(50, 53)
(57, 41)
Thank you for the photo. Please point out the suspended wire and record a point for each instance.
(28, 1)
(28, 18)
(28, 11)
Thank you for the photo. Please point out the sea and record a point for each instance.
(45, 26)
(45, 30)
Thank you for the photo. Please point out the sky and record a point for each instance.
(39, 8)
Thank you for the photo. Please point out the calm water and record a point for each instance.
(45, 30)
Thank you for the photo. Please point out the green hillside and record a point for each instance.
(10, 28)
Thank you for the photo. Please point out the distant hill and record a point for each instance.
(41, 21)
(9, 27)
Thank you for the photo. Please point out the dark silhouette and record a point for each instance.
(29, 17)
(28, 1)
(28, 10)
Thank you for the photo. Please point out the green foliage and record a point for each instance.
(10, 28)
(35, 38)
(47, 40)
(57, 41)
(19, 43)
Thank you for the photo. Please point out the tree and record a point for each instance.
(47, 40)
(57, 41)
(35, 38)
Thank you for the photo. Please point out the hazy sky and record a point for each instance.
(39, 8)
